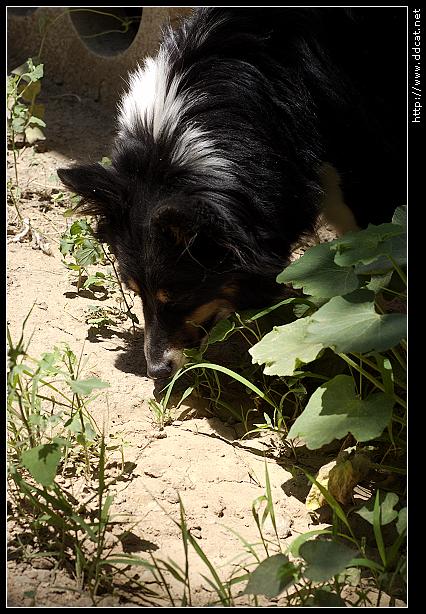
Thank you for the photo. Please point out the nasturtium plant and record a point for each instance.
(325, 558)
(285, 348)
(319, 275)
(351, 324)
(344, 280)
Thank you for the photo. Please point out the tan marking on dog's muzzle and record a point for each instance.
(218, 307)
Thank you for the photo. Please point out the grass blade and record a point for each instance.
(214, 367)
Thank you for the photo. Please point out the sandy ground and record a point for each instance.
(200, 456)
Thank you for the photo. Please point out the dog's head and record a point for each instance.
(189, 204)
(180, 249)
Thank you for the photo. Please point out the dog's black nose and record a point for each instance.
(160, 370)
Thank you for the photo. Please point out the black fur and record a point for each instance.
(280, 90)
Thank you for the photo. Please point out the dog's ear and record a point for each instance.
(205, 226)
(174, 223)
(101, 190)
(182, 221)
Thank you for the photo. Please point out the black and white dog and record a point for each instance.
(246, 126)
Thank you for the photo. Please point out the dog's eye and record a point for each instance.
(163, 296)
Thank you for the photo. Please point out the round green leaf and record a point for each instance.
(334, 410)
(85, 386)
(366, 246)
(325, 558)
(350, 324)
(271, 576)
(318, 274)
(285, 348)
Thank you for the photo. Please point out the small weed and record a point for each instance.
(25, 117)
(162, 416)
(47, 401)
(98, 317)
(82, 251)
(79, 243)
(58, 197)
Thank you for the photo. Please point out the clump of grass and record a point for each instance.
(314, 569)
(53, 443)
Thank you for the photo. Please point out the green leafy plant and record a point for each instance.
(25, 117)
(80, 244)
(81, 251)
(352, 316)
(350, 319)
(50, 431)
(314, 569)
(97, 316)
(47, 406)
(353, 323)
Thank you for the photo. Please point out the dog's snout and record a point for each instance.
(160, 370)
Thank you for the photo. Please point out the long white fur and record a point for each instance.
(147, 100)
(160, 111)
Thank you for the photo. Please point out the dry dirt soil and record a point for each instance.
(199, 456)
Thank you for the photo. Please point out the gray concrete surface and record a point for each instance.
(79, 47)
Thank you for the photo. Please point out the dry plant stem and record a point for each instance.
(119, 282)
(15, 164)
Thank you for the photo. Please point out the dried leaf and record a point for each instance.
(339, 477)
(34, 134)
(346, 474)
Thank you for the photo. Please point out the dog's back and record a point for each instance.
(337, 79)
